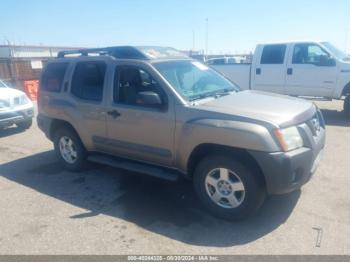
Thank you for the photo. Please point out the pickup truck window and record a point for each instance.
(308, 54)
(193, 80)
(273, 54)
(2, 85)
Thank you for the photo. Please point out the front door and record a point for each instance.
(135, 130)
(310, 71)
(269, 73)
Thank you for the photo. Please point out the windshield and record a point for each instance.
(2, 84)
(336, 52)
(193, 80)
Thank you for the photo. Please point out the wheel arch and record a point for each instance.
(57, 124)
(346, 90)
(239, 154)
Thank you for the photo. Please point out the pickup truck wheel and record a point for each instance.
(69, 149)
(24, 124)
(347, 105)
(228, 188)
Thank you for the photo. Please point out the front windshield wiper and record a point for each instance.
(225, 92)
(216, 94)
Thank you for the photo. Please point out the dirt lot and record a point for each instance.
(47, 210)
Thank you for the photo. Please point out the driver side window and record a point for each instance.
(130, 82)
(309, 54)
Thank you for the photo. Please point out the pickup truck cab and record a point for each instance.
(155, 111)
(306, 69)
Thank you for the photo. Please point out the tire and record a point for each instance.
(240, 198)
(25, 124)
(347, 105)
(74, 149)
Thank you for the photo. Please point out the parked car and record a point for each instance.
(15, 107)
(153, 110)
(221, 61)
(225, 60)
(308, 69)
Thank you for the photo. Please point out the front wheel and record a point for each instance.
(228, 188)
(26, 124)
(69, 149)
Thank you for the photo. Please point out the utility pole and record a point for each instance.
(193, 40)
(346, 40)
(206, 37)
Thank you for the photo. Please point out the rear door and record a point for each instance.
(268, 71)
(309, 73)
(87, 112)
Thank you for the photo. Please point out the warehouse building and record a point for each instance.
(21, 64)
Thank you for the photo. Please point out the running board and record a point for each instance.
(138, 167)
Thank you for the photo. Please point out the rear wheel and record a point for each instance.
(25, 124)
(69, 149)
(228, 188)
(347, 105)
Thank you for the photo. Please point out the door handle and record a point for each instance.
(289, 71)
(113, 113)
(258, 71)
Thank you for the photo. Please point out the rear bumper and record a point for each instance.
(8, 118)
(44, 123)
(287, 171)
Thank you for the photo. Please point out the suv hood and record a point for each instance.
(7, 93)
(277, 109)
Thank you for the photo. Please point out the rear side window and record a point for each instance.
(273, 54)
(53, 77)
(88, 80)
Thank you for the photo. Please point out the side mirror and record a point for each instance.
(148, 98)
(327, 61)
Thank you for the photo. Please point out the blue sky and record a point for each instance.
(234, 25)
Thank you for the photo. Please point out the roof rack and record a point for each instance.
(82, 52)
(122, 52)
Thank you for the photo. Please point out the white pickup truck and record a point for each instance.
(307, 69)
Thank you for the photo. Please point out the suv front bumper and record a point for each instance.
(10, 117)
(287, 171)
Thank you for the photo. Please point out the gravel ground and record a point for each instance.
(47, 210)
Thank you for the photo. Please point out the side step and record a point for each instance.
(138, 167)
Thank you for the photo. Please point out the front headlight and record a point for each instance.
(289, 138)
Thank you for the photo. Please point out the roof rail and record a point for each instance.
(121, 52)
(83, 52)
